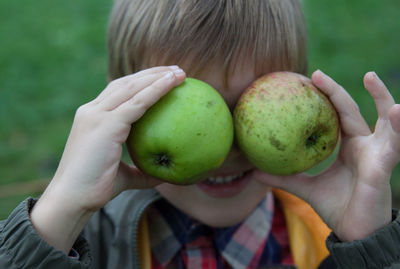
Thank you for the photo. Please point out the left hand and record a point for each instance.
(353, 196)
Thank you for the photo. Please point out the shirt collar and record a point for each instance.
(241, 245)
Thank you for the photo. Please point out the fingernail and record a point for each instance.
(371, 75)
(174, 67)
(179, 72)
(169, 75)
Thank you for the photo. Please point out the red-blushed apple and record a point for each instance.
(185, 135)
(284, 125)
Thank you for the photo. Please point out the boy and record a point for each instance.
(232, 219)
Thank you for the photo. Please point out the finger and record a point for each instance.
(382, 97)
(386, 143)
(394, 134)
(394, 117)
(137, 75)
(135, 107)
(122, 89)
(298, 184)
(352, 123)
(130, 177)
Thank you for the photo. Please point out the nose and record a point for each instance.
(235, 152)
(231, 109)
(236, 161)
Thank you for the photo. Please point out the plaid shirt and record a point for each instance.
(260, 241)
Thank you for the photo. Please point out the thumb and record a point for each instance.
(297, 184)
(268, 179)
(130, 177)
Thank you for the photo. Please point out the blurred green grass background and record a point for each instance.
(53, 59)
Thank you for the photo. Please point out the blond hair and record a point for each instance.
(144, 33)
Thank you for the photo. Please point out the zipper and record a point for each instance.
(156, 196)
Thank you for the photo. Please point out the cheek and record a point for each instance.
(166, 189)
(175, 194)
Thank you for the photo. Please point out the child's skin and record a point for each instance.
(353, 196)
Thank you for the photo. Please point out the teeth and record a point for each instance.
(223, 180)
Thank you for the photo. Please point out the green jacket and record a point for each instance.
(110, 240)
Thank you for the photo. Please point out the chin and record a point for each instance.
(214, 211)
(222, 219)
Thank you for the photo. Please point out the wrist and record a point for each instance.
(357, 254)
(364, 229)
(58, 220)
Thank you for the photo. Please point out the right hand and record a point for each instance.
(91, 172)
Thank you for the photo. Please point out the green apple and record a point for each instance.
(184, 136)
(284, 125)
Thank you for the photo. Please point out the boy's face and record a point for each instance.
(213, 202)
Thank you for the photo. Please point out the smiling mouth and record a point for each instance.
(225, 186)
(220, 180)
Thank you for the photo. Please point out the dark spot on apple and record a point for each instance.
(309, 92)
(276, 143)
(162, 159)
(312, 139)
(211, 103)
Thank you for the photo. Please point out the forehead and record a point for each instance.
(224, 78)
(230, 85)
